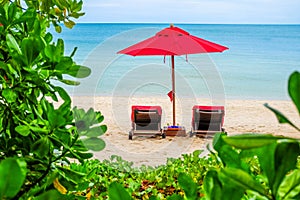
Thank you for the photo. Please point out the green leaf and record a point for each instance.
(63, 94)
(23, 130)
(100, 117)
(41, 147)
(60, 47)
(72, 154)
(92, 173)
(96, 131)
(12, 43)
(37, 27)
(79, 146)
(91, 117)
(63, 136)
(78, 113)
(48, 37)
(69, 82)
(9, 95)
(281, 118)
(218, 141)
(197, 153)
(50, 53)
(55, 117)
(117, 192)
(229, 157)
(266, 157)
(81, 125)
(50, 195)
(69, 23)
(26, 16)
(58, 28)
(77, 6)
(213, 186)
(12, 10)
(38, 129)
(188, 185)
(84, 155)
(294, 89)
(78, 71)
(240, 179)
(249, 141)
(290, 186)
(94, 144)
(286, 155)
(12, 176)
(31, 48)
(71, 175)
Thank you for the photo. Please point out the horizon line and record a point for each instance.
(191, 23)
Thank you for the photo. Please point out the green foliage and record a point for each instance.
(277, 158)
(53, 11)
(195, 177)
(37, 138)
(290, 186)
(180, 178)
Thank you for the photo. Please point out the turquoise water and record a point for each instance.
(256, 66)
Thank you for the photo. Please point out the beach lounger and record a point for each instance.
(207, 120)
(146, 121)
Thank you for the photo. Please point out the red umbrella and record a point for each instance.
(172, 41)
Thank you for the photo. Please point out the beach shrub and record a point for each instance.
(117, 179)
(277, 157)
(37, 137)
(278, 176)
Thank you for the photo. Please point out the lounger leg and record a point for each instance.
(130, 135)
(191, 133)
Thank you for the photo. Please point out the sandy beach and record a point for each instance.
(241, 116)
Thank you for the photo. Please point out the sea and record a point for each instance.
(257, 64)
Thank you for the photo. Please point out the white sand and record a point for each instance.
(241, 116)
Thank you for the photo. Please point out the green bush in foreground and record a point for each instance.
(277, 162)
(37, 139)
(116, 178)
(277, 158)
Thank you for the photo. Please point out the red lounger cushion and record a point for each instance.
(208, 108)
(146, 108)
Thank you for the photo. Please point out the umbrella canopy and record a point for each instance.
(172, 41)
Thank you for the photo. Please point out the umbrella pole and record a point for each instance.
(173, 88)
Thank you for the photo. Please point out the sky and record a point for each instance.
(193, 11)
